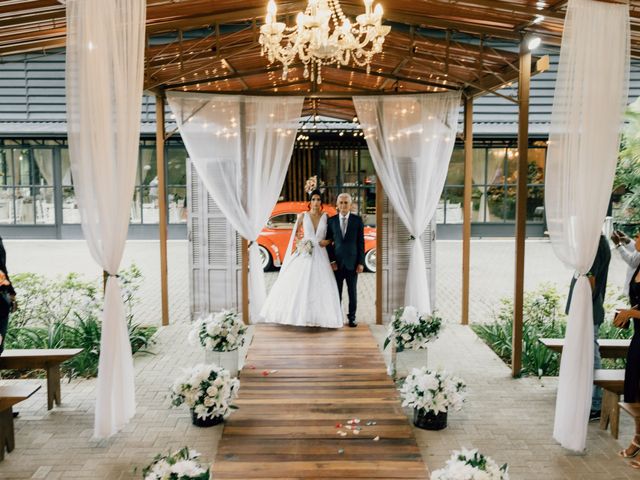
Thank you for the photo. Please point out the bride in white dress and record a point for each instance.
(305, 293)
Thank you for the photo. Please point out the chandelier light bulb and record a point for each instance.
(323, 35)
(272, 8)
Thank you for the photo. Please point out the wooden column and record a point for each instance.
(245, 280)
(162, 206)
(244, 199)
(521, 205)
(467, 206)
(379, 233)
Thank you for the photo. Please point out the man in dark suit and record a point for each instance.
(345, 232)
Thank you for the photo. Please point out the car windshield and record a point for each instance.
(282, 221)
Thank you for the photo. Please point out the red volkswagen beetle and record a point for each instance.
(274, 238)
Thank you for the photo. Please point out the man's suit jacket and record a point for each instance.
(347, 252)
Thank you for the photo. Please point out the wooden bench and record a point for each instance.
(609, 347)
(9, 396)
(612, 383)
(46, 359)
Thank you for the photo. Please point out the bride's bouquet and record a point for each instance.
(304, 247)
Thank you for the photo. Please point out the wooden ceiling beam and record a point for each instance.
(508, 7)
(489, 86)
(233, 76)
(398, 78)
(156, 23)
(424, 20)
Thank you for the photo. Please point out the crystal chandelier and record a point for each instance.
(323, 36)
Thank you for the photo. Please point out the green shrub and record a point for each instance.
(65, 313)
(543, 317)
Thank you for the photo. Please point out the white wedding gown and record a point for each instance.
(305, 293)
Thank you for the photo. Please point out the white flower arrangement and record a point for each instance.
(411, 329)
(221, 331)
(208, 389)
(178, 465)
(304, 247)
(471, 465)
(432, 391)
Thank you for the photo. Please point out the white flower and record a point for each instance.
(208, 389)
(180, 464)
(470, 465)
(222, 331)
(410, 329)
(432, 391)
(187, 468)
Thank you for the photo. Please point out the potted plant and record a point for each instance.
(221, 334)
(432, 394)
(408, 334)
(208, 390)
(178, 465)
(470, 465)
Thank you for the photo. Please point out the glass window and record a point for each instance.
(495, 166)
(535, 203)
(536, 157)
(70, 212)
(7, 205)
(177, 204)
(455, 175)
(284, 221)
(150, 211)
(176, 184)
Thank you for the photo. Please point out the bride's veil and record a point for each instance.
(288, 255)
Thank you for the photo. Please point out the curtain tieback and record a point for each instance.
(411, 237)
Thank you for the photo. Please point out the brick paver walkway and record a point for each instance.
(511, 420)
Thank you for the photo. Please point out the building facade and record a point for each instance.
(36, 185)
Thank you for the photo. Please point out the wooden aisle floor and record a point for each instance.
(297, 386)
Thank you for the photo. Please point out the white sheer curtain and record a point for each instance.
(411, 139)
(241, 147)
(105, 64)
(590, 93)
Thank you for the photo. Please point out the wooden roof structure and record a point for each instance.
(212, 46)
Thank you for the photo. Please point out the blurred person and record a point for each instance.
(627, 250)
(597, 277)
(7, 296)
(632, 369)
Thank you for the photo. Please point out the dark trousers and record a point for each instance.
(351, 277)
(4, 322)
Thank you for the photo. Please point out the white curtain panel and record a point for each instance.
(590, 93)
(411, 138)
(105, 64)
(241, 147)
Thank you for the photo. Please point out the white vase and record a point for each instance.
(227, 360)
(403, 362)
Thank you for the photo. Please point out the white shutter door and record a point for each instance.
(214, 253)
(396, 249)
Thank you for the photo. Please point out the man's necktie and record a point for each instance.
(343, 225)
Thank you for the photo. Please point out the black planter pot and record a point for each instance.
(205, 422)
(429, 420)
